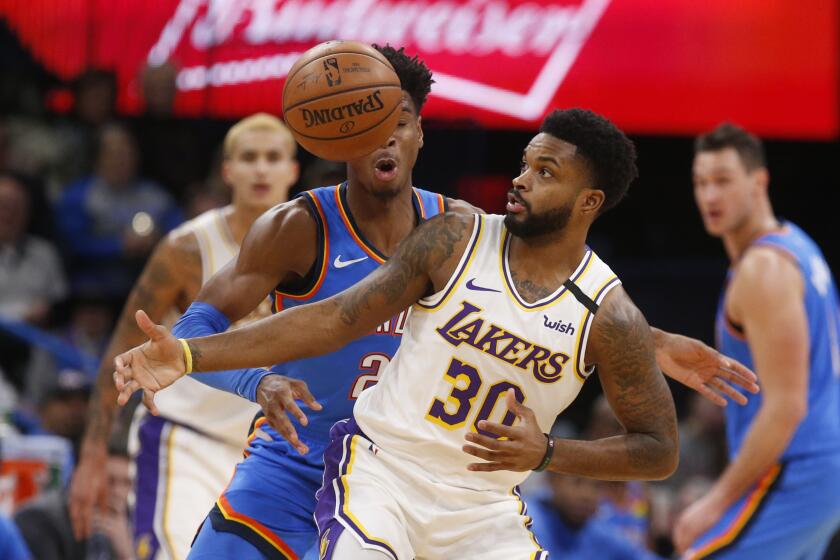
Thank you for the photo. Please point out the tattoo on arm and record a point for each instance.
(196, 354)
(425, 250)
(634, 386)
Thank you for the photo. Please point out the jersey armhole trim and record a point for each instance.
(435, 301)
(312, 281)
(581, 370)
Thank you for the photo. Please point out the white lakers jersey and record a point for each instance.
(466, 346)
(216, 413)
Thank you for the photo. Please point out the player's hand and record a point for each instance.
(152, 366)
(276, 395)
(704, 369)
(696, 520)
(522, 450)
(88, 489)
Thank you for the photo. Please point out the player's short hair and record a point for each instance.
(415, 77)
(727, 135)
(257, 121)
(608, 153)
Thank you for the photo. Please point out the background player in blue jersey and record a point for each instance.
(780, 495)
(310, 249)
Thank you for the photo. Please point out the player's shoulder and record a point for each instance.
(292, 220)
(765, 273)
(459, 206)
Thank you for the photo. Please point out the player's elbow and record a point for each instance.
(665, 456)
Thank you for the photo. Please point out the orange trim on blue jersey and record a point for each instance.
(264, 532)
(750, 506)
(346, 218)
(441, 204)
(419, 200)
(324, 259)
(259, 423)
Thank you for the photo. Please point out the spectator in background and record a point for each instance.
(94, 105)
(702, 448)
(109, 222)
(12, 545)
(175, 151)
(63, 407)
(565, 522)
(45, 522)
(31, 277)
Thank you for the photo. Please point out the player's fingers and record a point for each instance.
(517, 407)
(726, 389)
(149, 401)
(499, 429)
(126, 392)
(302, 393)
(291, 406)
(488, 442)
(488, 467)
(281, 424)
(741, 374)
(79, 513)
(480, 452)
(711, 395)
(146, 325)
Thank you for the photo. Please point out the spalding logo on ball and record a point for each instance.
(342, 100)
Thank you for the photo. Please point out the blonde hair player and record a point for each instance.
(184, 456)
(475, 351)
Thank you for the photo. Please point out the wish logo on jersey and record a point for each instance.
(466, 326)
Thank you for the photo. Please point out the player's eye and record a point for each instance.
(523, 166)
(249, 157)
(545, 172)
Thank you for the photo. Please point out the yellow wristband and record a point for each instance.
(187, 356)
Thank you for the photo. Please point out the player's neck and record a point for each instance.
(739, 239)
(384, 221)
(551, 258)
(240, 218)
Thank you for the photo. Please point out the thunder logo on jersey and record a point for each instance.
(466, 326)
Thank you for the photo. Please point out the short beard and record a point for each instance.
(539, 224)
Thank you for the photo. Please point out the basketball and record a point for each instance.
(342, 100)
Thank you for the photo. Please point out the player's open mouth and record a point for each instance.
(514, 205)
(260, 188)
(385, 169)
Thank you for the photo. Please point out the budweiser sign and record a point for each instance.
(679, 66)
(551, 33)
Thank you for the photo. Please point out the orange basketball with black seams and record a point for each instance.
(342, 100)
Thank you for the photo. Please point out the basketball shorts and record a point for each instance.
(178, 475)
(391, 506)
(790, 514)
(267, 509)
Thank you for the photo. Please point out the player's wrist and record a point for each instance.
(547, 456)
(186, 356)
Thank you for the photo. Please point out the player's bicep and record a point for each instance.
(422, 264)
(281, 245)
(621, 347)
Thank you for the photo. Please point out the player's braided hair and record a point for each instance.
(609, 154)
(415, 76)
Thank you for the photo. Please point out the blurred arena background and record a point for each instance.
(164, 80)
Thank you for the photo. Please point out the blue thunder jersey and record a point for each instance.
(336, 379)
(819, 432)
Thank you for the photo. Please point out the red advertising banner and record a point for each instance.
(660, 67)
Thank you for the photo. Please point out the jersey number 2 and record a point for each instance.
(372, 365)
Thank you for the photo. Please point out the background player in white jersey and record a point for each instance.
(185, 456)
(397, 476)
(780, 495)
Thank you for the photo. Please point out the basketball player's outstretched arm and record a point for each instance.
(423, 263)
(621, 346)
(170, 278)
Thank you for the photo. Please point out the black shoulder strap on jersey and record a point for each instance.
(584, 299)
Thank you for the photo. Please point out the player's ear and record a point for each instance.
(591, 201)
(761, 177)
(420, 131)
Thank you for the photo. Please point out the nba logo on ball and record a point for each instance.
(333, 72)
(349, 113)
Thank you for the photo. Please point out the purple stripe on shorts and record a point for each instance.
(336, 460)
(147, 465)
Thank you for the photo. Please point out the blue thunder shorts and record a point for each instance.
(267, 509)
(790, 514)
